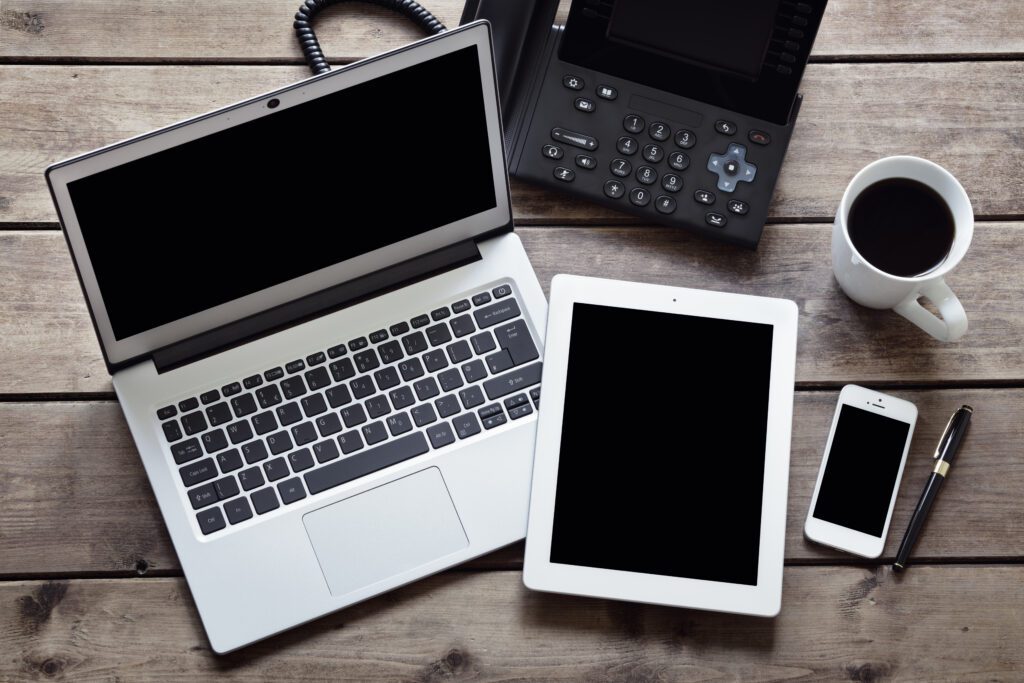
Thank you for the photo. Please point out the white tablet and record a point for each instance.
(662, 459)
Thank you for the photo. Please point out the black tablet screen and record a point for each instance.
(661, 464)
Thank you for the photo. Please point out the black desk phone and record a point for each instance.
(677, 111)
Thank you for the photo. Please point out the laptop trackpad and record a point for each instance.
(385, 531)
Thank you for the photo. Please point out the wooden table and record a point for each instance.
(90, 587)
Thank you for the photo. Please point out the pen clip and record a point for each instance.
(945, 436)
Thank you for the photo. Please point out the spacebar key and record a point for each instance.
(361, 464)
(517, 380)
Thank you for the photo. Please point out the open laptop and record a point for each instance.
(323, 333)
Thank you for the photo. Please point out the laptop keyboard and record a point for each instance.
(272, 439)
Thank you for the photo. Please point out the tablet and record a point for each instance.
(662, 457)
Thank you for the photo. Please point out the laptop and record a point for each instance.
(325, 337)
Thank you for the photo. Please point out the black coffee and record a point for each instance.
(901, 226)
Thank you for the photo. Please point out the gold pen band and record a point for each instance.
(941, 467)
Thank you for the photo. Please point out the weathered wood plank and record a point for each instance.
(947, 623)
(76, 498)
(260, 30)
(958, 114)
(49, 344)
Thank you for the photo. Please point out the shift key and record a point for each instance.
(496, 313)
(513, 381)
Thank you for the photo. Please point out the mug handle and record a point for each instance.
(953, 323)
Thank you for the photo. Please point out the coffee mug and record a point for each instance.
(870, 286)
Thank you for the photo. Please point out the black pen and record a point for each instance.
(945, 452)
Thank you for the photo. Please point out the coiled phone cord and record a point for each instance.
(310, 8)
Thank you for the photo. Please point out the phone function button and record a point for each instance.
(583, 104)
(566, 175)
(732, 167)
(670, 182)
(738, 207)
(614, 189)
(553, 151)
(759, 137)
(665, 204)
(633, 123)
(646, 175)
(640, 196)
(679, 161)
(573, 82)
(607, 92)
(725, 127)
(653, 153)
(586, 161)
(685, 139)
(716, 220)
(659, 131)
(575, 139)
(621, 167)
(704, 197)
(626, 145)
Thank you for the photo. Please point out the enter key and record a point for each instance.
(515, 338)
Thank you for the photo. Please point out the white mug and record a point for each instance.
(874, 288)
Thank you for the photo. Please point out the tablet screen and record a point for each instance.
(661, 464)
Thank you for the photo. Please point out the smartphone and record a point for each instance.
(861, 470)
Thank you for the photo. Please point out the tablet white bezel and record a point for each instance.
(539, 573)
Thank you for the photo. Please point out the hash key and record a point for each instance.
(499, 362)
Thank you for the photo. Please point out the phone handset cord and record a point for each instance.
(311, 46)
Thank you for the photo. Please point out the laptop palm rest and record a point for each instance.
(385, 531)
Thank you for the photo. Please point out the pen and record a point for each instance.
(945, 452)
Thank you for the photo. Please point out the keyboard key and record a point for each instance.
(435, 360)
(357, 344)
(460, 306)
(481, 299)
(450, 380)
(208, 397)
(471, 397)
(466, 425)
(426, 388)
(402, 397)
(353, 415)
(255, 451)
(374, 432)
(338, 396)
(325, 451)
(239, 431)
(201, 496)
(441, 435)
(231, 389)
(268, 396)
(497, 312)
(295, 366)
(186, 451)
(423, 414)
(439, 334)
(243, 405)
(350, 442)
(501, 291)
(226, 487)
(188, 404)
(252, 381)
(166, 412)
(420, 321)
(535, 395)
(515, 338)
(362, 387)
(316, 358)
(474, 371)
(279, 442)
(337, 351)
(447, 405)
(304, 433)
(313, 405)
(414, 343)
(460, 352)
(367, 462)
(172, 432)
(264, 423)
(513, 381)
(463, 325)
(229, 461)
(301, 459)
(276, 469)
(193, 423)
(317, 378)
(399, 329)
(391, 352)
(483, 342)
(273, 374)
(293, 387)
(291, 491)
(377, 406)
(495, 421)
(342, 370)
(399, 423)
(198, 472)
(214, 441)
(516, 400)
(251, 478)
(520, 411)
(489, 411)
(386, 378)
(289, 413)
(411, 369)
(238, 510)
(328, 424)
(265, 500)
(219, 414)
(367, 360)
(499, 362)
(378, 336)
(210, 520)
(440, 313)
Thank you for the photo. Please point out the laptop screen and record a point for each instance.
(311, 185)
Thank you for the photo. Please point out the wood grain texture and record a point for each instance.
(260, 30)
(48, 343)
(76, 499)
(961, 115)
(838, 623)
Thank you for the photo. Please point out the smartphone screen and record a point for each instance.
(861, 472)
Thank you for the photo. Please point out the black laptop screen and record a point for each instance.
(237, 211)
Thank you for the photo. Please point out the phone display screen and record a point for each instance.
(863, 464)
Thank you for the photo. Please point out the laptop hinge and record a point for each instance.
(315, 305)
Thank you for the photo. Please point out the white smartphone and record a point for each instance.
(861, 471)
